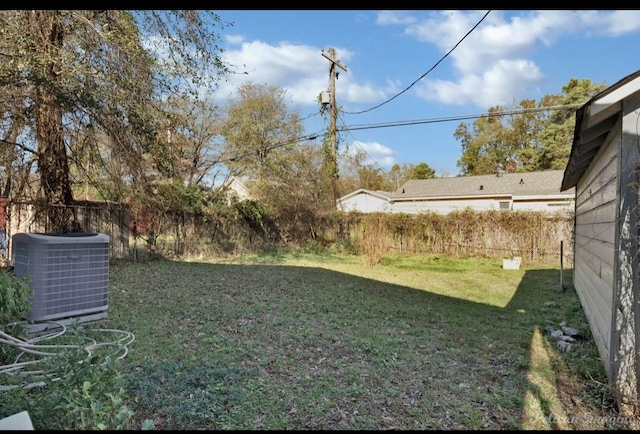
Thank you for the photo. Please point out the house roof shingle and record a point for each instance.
(515, 184)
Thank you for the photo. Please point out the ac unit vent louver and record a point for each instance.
(69, 273)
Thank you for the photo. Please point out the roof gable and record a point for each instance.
(594, 121)
(383, 195)
(235, 185)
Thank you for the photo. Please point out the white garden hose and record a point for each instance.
(33, 347)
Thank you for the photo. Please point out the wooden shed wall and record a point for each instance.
(595, 243)
(625, 362)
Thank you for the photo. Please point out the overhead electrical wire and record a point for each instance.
(408, 122)
(401, 124)
(444, 119)
(419, 78)
(313, 136)
(357, 143)
(277, 145)
(458, 118)
(423, 75)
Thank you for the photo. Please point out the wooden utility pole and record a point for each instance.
(333, 110)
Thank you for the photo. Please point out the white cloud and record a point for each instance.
(493, 65)
(492, 62)
(376, 153)
(394, 18)
(294, 68)
(300, 70)
(360, 93)
(234, 39)
(495, 86)
(620, 22)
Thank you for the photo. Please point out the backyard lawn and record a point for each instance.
(326, 342)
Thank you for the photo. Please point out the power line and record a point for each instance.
(401, 124)
(308, 116)
(306, 137)
(348, 129)
(423, 75)
(357, 143)
(457, 118)
(277, 145)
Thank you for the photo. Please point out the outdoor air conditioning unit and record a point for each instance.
(69, 273)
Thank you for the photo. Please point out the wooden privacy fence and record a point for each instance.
(101, 217)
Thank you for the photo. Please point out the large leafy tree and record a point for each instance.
(531, 136)
(297, 194)
(259, 128)
(357, 172)
(285, 173)
(16, 161)
(399, 174)
(486, 145)
(91, 87)
(193, 136)
(557, 135)
(422, 171)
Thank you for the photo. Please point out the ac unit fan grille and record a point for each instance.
(69, 275)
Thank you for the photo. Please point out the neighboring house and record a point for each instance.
(365, 201)
(604, 168)
(235, 186)
(538, 191)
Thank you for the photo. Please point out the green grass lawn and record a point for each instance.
(325, 342)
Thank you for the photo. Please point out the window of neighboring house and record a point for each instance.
(505, 205)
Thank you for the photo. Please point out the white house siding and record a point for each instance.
(546, 205)
(364, 202)
(530, 206)
(595, 242)
(239, 189)
(445, 206)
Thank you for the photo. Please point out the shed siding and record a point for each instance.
(593, 294)
(597, 257)
(607, 229)
(595, 244)
(624, 359)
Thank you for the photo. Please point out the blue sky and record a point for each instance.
(398, 60)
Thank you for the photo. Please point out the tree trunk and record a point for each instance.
(53, 166)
